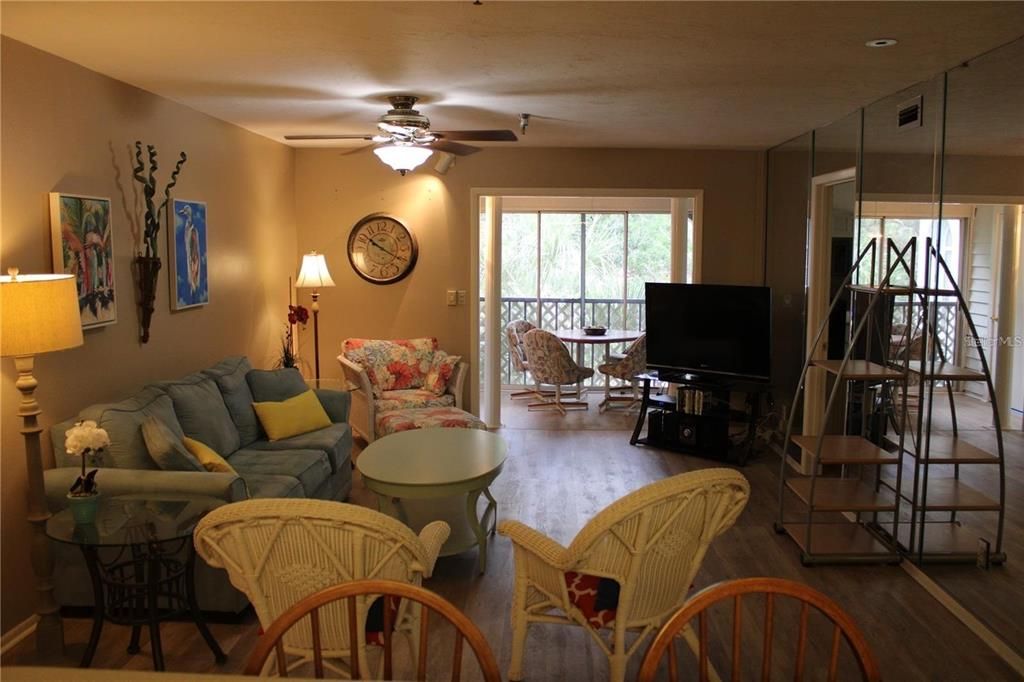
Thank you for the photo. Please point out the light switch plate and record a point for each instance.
(462, 297)
(450, 297)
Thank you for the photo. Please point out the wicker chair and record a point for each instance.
(633, 362)
(551, 364)
(697, 606)
(638, 556)
(280, 551)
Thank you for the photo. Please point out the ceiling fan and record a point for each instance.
(404, 139)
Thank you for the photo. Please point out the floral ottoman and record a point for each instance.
(393, 421)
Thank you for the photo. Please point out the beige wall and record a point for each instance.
(333, 191)
(66, 128)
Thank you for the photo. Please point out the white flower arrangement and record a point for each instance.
(81, 440)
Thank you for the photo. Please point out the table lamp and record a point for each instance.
(313, 275)
(38, 314)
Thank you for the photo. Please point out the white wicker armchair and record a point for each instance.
(650, 543)
(279, 551)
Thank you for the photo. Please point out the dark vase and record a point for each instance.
(147, 268)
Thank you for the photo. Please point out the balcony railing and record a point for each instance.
(565, 313)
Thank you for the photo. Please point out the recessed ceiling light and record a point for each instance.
(881, 42)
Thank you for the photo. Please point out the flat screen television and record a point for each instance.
(709, 329)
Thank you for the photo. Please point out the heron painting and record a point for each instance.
(83, 246)
(189, 285)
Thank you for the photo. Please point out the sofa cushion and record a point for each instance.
(202, 413)
(412, 399)
(427, 418)
(166, 447)
(292, 417)
(273, 485)
(229, 374)
(123, 423)
(394, 364)
(310, 467)
(275, 385)
(335, 441)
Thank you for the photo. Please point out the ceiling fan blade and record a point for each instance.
(453, 147)
(328, 137)
(357, 150)
(477, 135)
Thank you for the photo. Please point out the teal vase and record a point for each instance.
(83, 508)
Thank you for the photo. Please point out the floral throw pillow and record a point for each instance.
(440, 372)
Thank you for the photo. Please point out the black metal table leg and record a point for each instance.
(153, 593)
(645, 403)
(193, 605)
(139, 573)
(92, 561)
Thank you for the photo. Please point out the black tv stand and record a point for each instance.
(701, 430)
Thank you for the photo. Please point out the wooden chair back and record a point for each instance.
(843, 627)
(357, 593)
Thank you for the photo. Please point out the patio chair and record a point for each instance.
(514, 332)
(280, 551)
(628, 569)
(551, 364)
(625, 367)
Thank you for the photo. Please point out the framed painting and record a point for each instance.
(83, 246)
(189, 284)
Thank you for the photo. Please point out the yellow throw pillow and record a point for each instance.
(288, 418)
(210, 460)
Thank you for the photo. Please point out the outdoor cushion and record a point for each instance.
(596, 597)
(123, 423)
(335, 440)
(275, 385)
(392, 364)
(296, 415)
(229, 374)
(202, 412)
(412, 399)
(426, 418)
(166, 447)
(273, 485)
(310, 467)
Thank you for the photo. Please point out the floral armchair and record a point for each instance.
(390, 378)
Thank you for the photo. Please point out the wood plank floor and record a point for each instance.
(555, 480)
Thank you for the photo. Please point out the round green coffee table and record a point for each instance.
(415, 472)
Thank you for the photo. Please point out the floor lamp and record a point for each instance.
(313, 275)
(38, 314)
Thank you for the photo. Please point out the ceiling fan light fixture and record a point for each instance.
(402, 157)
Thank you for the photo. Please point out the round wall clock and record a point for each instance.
(381, 249)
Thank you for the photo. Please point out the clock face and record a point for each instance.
(381, 249)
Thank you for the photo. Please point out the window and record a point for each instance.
(901, 230)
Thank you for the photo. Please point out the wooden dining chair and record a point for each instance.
(359, 596)
(698, 605)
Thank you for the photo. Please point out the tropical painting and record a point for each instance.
(189, 284)
(83, 246)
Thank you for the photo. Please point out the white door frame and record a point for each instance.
(492, 417)
(819, 265)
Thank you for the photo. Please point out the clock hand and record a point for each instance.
(393, 255)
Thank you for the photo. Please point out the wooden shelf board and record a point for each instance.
(942, 538)
(943, 449)
(945, 370)
(842, 494)
(862, 370)
(949, 494)
(846, 450)
(836, 538)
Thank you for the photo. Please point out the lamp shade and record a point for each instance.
(402, 157)
(314, 273)
(38, 314)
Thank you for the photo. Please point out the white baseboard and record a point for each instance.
(19, 632)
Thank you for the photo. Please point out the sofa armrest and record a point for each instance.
(362, 417)
(456, 383)
(227, 487)
(336, 403)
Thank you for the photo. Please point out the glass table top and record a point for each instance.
(133, 519)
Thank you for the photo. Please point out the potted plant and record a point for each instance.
(297, 314)
(147, 260)
(85, 439)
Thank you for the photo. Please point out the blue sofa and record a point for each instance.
(213, 406)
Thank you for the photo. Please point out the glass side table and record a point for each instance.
(140, 580)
